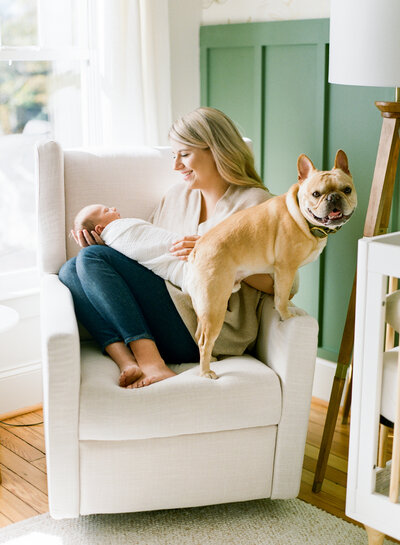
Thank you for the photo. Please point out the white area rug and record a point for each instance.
(260, 522)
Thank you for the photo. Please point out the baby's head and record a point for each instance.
(95, 217)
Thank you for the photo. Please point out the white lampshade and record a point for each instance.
(365, 42)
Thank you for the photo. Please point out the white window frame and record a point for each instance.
(84, 55)
(28, 278)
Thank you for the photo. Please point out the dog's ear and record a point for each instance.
(342, 162)
(304, 167)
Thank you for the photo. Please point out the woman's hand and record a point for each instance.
(84, 238)
(183, 247)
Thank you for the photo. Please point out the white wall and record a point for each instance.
(20, 357)
(250, 11)
(184, 26)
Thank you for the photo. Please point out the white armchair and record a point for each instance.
(182, 442)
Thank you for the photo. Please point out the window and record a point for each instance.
(44, 64)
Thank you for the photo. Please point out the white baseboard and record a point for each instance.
(20, 354)
(21, 387)
(323, 379)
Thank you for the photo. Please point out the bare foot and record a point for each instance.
(151, 374)
(129, 375)
(122, 355)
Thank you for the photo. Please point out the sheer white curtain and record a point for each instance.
(132, 71)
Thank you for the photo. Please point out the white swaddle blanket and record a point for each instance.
(148, 245)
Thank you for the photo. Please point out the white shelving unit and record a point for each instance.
(367, 502)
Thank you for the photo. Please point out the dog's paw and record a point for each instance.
(296, 311)
(209, 374)
(285, 315)
(290, 312)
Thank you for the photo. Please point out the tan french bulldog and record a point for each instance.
(278, 236)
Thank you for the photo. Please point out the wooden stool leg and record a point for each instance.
(382, 448)
(374, 537)
(347, 398)
(389, 340)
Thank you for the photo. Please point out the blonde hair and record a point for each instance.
(208, 128)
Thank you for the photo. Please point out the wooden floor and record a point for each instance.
(23, 491)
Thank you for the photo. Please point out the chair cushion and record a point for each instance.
(247, 394)
(389, 384)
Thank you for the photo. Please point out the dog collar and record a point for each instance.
(321, 232)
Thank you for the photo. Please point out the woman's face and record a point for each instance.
(197, 166)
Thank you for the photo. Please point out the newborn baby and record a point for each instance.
(136, 238)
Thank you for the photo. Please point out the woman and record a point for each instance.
(139, 320)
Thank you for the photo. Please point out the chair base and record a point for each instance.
(175, 472)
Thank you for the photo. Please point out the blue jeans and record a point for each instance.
(117, 299)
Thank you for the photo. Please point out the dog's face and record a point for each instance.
(326, 198)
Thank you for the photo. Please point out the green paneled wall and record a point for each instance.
(239, 71)
(271, 79)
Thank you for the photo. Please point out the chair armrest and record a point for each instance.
(290, 349)
(61, 384)
(279, 343)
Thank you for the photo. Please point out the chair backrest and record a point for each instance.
(134, 180)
